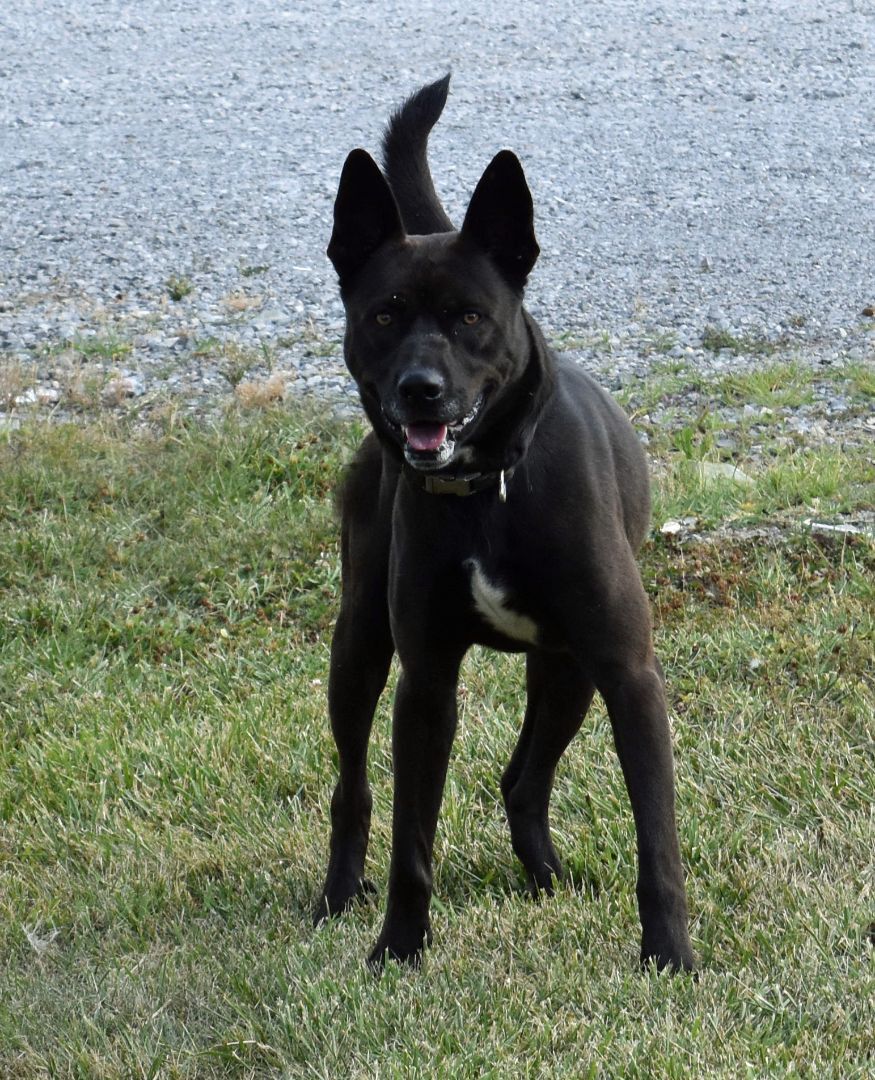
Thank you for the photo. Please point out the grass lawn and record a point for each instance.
(166, 601)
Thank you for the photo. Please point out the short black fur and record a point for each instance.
(537, 556)
(405, 160)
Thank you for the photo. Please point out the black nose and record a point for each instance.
(421, 386)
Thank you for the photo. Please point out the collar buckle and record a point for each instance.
(454, 485)
(464, 485)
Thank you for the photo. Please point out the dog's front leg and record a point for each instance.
(424, 724)
(361, 652)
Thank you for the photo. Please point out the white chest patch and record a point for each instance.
(490, 601)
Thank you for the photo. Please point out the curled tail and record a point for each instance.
(405, 160)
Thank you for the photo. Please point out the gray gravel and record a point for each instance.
(693, 164)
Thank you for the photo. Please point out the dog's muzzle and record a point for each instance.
(431, 444)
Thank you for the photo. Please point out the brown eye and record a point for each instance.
(471, 318)
(383, 318)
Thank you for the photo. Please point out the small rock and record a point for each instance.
(671, 528)
(823, 527)
(268, 316)
(710, 471)
(123, 386)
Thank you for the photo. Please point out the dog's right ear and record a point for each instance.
(365, 215)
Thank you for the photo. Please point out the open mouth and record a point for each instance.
(430, 444)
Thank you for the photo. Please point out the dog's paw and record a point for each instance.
(405, 946)
(338, 898)
(543, 886)
(675, 956)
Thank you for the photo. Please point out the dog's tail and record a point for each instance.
(405, 160)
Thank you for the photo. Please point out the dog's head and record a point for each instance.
(437, 338)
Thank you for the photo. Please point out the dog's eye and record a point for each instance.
(383, 318)
(471, 318)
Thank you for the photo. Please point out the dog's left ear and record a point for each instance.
(366, 215)
(500, 218)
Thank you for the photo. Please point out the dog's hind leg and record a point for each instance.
(559, 694)
(635, 699)
(361, 652)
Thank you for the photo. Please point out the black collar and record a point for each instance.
(437, 484)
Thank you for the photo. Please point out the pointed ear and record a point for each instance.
(500, 218)
(365, 215)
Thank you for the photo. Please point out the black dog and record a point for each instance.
(499, 500)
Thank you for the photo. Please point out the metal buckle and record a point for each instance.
(466, 485)
(450, 485)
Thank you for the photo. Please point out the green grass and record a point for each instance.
(166, 603)
(234, 362)
(714, 339)
(800, 483)
(179, 287)
(861, 377)
(773, 385)
(106, 347)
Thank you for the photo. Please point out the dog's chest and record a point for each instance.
(491, 599)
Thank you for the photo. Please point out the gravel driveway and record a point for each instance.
(167, 173)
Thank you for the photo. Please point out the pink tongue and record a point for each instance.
(425, 436)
